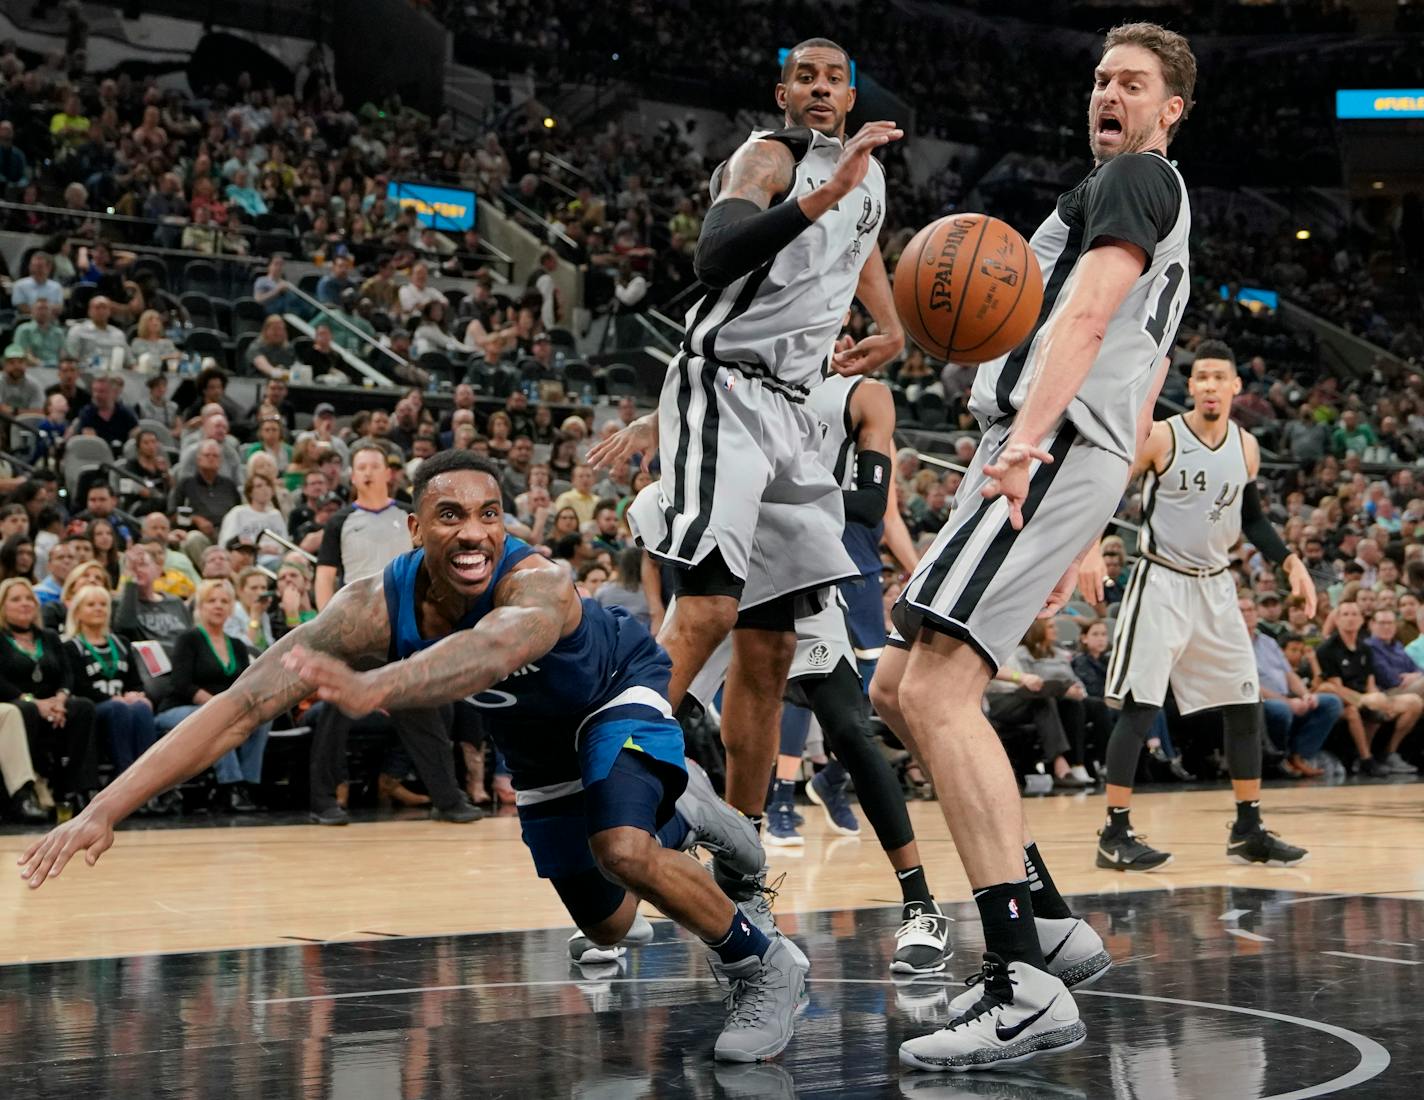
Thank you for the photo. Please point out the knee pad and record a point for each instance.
(1241, 737)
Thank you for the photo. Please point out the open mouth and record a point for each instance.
(471, 566)
(1109, 127)
(821, 110)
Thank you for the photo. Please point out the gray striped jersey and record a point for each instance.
(1139, 198)
(1191, 512)
(784, 317)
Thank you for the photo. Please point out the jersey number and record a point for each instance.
(1198, 479)
(1157, 324)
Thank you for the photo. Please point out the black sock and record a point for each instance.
(1118, 823)
(783, 792)
(742, 939)
(1006, 911)
(1248, 817)
(913, 887)
(756, 819)
(1047, 901)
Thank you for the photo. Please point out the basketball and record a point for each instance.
(968, 288)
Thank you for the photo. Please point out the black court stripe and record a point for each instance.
(1121, 678)
(679, 465)
(707, 478)
(989, 565)
(1013, 369)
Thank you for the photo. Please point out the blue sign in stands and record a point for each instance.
(447, 208)
(1379, 103)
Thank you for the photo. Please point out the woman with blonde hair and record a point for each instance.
(103, 670)
(206, 662)
(148, 339)
(34, 676)
(85, 573)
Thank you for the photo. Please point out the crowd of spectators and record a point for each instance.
(234, 523)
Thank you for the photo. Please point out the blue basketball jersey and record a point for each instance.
(610, 665)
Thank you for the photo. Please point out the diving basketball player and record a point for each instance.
(574, 695)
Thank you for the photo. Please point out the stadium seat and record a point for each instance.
(206, 341)
(620, 380)
(563, 338)
(1070, 629)
(438, 364)
(82, 455)
(930, 411)
(201, 277)
(200, 309)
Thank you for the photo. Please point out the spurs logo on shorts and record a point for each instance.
(819, 657)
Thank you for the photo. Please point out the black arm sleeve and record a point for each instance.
(738, 237)
(866, 503)
(1133, 198)
(1259, 531)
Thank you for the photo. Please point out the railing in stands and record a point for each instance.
(488, 254)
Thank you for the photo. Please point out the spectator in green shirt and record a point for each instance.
(42, 336)
(1353, 434)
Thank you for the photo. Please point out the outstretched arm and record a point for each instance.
(535, 605)
(352, 627)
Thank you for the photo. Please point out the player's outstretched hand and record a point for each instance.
(638, 438)
(854, 160)
(334, 681)
(865, 356)
(1008, 477)
(1302, 584)
(91, 833)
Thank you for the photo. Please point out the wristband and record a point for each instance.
(27, 698)
(1015, 675)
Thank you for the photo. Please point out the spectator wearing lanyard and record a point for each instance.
(103, 670)
(206, 662)
(35, 677)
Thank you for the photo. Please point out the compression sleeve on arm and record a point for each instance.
(738, 237)
(1260, 531)
(866, 503)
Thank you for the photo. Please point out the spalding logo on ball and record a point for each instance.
(968, 288)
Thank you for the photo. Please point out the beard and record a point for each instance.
(1211, 416)
(1132, 141)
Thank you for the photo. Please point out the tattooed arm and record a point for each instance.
(535, 606)
(353, 627)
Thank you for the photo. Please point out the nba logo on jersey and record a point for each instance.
(1013, 909)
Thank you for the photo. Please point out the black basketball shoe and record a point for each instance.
(1125, 851)
(1261, 845)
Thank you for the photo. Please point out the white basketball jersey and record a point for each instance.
(1152, 211)
(782, 320)
(1191, 512)
(830, 404)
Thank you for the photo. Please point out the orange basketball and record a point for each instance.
(968, 288)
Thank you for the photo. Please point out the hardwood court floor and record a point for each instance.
(205, 889)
